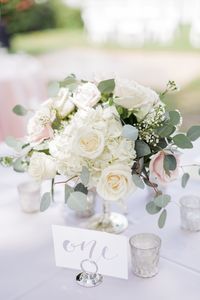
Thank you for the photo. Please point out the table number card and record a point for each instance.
(108, 251)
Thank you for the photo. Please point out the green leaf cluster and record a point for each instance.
(106, 86)
(70, 82)
(20, 110)
(157, 205)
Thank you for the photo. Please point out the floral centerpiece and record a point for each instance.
(112, 136)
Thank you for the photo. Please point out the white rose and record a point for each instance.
(133, 96)
(86, 95)
(42, 166)
(88, 142)
(63, 102)
(115, 182)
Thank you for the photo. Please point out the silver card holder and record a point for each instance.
(89, 278)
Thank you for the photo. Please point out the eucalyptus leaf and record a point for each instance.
(162, 200)
(174, 117)
(182, 141)
(106, 86)
(138, 181)
(184, 179)
(81, 188)
(130, 132)
(151, 208)
(45, 201)
(85, 175)
(14, 143)
(166, 130)
(169, 163)
(19, 165)
(70, 82)
(20, 110)
(162, 218)
(142, 149)
(194, 133)
(68, 191)
(77, 201)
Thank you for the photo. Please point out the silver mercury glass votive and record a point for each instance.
(29, 196)
(145, 253)
(190, 212)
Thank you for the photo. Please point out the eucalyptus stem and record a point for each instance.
(59, 182)
(52, 189)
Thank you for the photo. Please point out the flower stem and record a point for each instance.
(52, 189)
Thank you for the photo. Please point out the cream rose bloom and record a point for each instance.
(86, 95)
(63, 102)
(157, 172)
(133, 96)
(42, 166)
(115, 182)
(89, 142)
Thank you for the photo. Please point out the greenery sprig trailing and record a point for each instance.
(76, 134)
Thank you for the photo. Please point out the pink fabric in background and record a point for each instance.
(21, 82)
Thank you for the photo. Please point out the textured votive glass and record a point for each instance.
(29, 196)
(190, 212)
(145, 253)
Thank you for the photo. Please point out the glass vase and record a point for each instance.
(90, 209)
(108, 221)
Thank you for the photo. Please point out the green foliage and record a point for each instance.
(170, 163)
(182, 141)
(81, 188)
(166, 130)
(68, 191)
(162, 200)
(40, 16)
(19, 165)
(106, 86)
(6, 161)
(85, 175)
(184, 179)
(77, 201)
(130, 132)
(142, 149)
(70, 82)
(194, 133)
(45, 201)
(152, 208)
(174, 117)
(20, 110)
(162, 218)
(14, 143)
(138, 181)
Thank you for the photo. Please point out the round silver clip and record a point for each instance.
(88, 277)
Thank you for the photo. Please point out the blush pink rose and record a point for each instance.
(157, 171)
(45, 134)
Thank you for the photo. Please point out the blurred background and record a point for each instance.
(150, 41)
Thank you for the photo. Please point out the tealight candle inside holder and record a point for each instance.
(29, 196)
(190, 212)
(145, 253)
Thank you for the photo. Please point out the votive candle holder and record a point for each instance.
(145, 254)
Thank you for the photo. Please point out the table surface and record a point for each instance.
(27, 264)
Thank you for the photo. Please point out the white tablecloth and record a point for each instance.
(27, 266)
